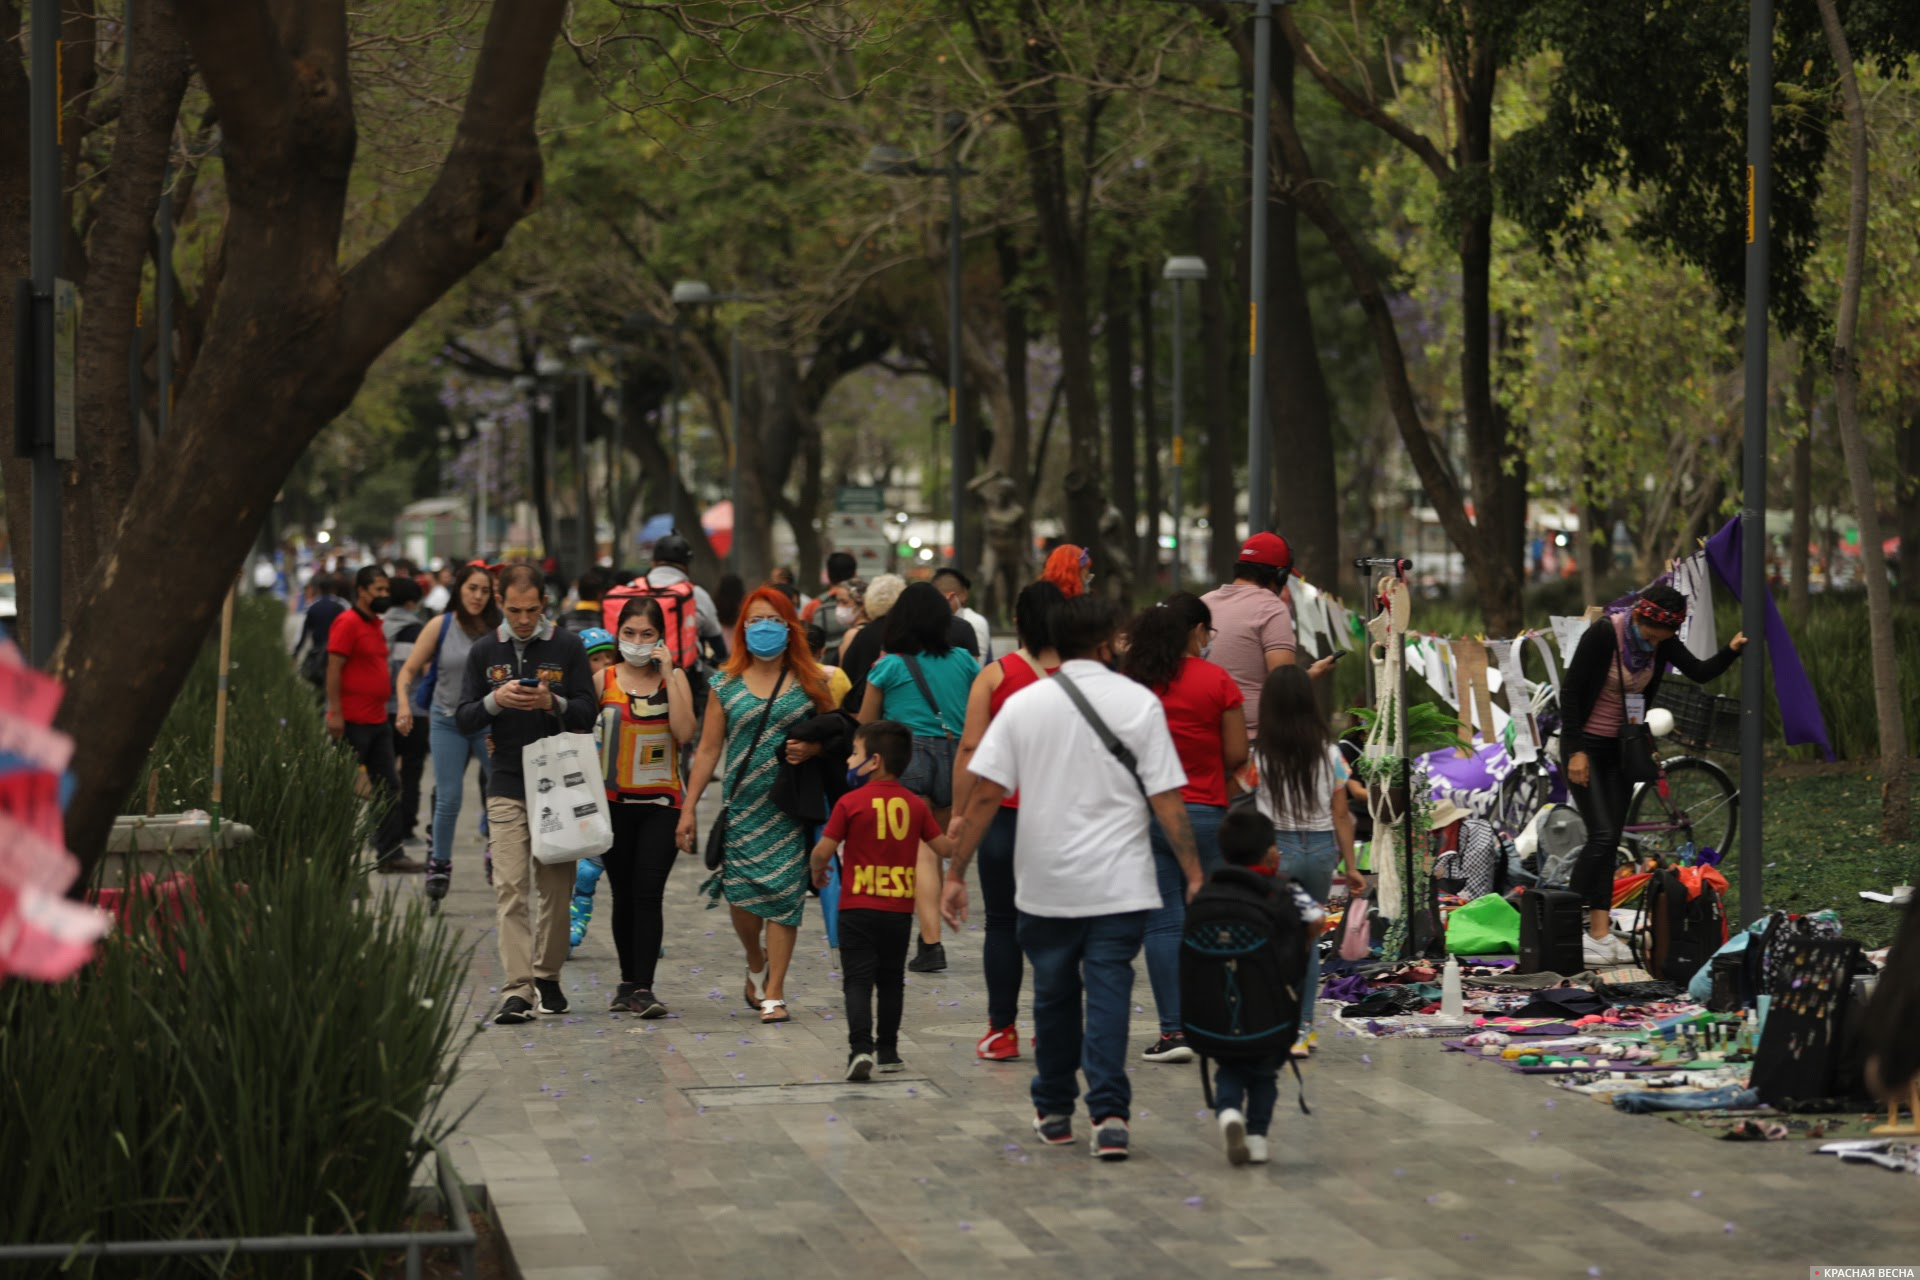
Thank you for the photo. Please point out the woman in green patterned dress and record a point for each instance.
(770, 683)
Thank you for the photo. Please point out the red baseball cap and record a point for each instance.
(1268, 549)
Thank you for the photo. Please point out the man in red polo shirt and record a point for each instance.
(359, 683)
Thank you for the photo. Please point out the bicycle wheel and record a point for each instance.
(1697, 809)
(1523, 793)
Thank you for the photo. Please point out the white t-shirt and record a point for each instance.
(1083, 847)
(1320, 816)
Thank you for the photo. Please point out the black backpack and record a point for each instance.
(1686, 930)
(1243, 964)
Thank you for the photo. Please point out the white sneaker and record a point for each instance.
(1256, 1149)
(1597, 953)
(1623, 953)
(1233, 1132)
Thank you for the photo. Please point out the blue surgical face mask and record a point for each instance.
(766, 637)
(856, 773)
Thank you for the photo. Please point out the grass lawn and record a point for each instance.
(1823, 846)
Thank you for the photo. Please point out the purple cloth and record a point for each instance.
(1347, 990)
(1799, 709)
(1473, 782)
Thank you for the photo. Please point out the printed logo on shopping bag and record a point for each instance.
(572, 780)
(550, 823)
(546, 785)
(585, 810)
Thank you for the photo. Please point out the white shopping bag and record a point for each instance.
(566, 800)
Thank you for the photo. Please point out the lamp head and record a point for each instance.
(1187, 268)
(691, 293)
(889, 161)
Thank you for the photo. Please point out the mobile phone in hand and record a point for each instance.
(530, 682)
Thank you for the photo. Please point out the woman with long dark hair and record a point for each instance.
(444, 643)
(1032, 662)
(1615, 672)
(923, 683)
(646, 715)
(770, 684)
(1298, 788)
(1207, 717)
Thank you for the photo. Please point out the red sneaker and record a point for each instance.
(999, 1045)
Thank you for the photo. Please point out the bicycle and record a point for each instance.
(1692, 805)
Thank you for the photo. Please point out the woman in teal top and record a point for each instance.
(770, 684)
(923, 683)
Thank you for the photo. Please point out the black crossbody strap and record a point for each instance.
(920, 682)
(766, 715)
(1113, 744)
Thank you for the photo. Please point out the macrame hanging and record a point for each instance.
(1385, 747)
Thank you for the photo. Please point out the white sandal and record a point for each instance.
(774, 1006)
(756, 988)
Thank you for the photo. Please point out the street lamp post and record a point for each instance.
(482, 428)
(1753, 497)
(894, 162)
(34, 424)
(1178, 271)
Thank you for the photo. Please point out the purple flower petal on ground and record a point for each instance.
(1728, 1228)
(1697, 1194)
(1194, 1202)
(1367, 1058)
(966, 1226)
(585, 1159)
(1593, 1271)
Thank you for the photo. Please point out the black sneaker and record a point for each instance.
(931, 958)
(622, 994)
(1171, 1047)
(514, 1011)
(646, 1004)
(859, 1066)
(1055, 1131)
(890, 1062)
(552, 999)
(1110, 1139)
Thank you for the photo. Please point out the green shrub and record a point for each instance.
(276, 1060)
(283, 774)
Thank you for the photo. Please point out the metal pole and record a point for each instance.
(584, 530)
(1179, 425)
(1259, 479)
(733, 454)
(1753, 498)
(959, 443)
(44, 198)
(614, 443)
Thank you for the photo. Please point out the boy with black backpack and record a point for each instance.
(1243, 962)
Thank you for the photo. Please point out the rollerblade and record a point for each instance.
(586, 878)
(439, 877)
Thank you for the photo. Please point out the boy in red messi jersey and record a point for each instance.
(881, 825)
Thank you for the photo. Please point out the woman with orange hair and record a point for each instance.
(1069, 568)
(769, 684)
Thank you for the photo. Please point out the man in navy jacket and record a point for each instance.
(527, 681)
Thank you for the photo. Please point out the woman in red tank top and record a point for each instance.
(1032, 662)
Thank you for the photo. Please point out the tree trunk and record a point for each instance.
(1216, 371)
(1120, 428)
(1895, 816)
(1148, 569)
(1305, 487)
(1799, 592)
(540, 433)
(16, 221)
(289, 340)
(668, 493)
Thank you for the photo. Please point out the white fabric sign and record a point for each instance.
(1694, 580)
(1506, 656)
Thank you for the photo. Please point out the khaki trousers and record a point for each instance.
(531, 899)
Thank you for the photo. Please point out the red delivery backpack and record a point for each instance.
(682, 631)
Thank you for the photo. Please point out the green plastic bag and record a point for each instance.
(1487, 926)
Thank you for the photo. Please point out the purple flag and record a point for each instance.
(1799, 709)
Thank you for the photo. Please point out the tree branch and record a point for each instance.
(248, 74)
(1358, 105)
(491, 180)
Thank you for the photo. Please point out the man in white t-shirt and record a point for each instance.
(1082, 861)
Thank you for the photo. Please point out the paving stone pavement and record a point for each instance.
(706, 1145)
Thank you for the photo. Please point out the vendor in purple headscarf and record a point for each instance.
(1609, 685)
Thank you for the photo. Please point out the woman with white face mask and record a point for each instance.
(646, 714)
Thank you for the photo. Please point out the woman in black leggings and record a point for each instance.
(646, 716)
(1615, 672)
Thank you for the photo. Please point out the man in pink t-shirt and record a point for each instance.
(1252, 622)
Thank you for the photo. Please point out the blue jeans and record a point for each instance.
(1310, 857)
(1165, 925)
(452, 750)
(1000, 951)
(1093, 954)
(1250, 1087)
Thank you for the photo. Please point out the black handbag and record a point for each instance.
(717, 838)
(1638, 762)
